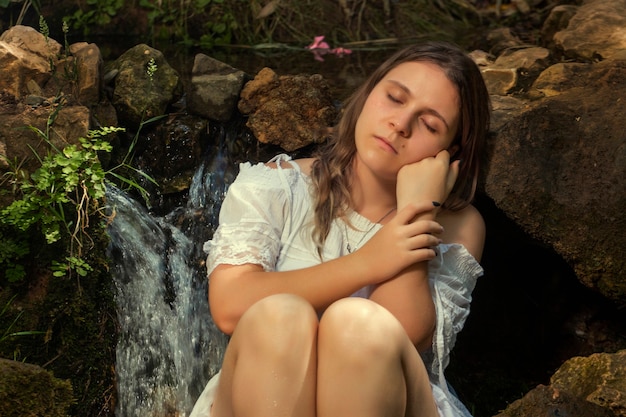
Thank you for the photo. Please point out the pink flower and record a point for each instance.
(341, 51)
(318, 43)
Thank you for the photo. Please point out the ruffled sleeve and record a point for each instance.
(453, 275)
(252, 218)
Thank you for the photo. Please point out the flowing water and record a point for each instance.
(168, 346)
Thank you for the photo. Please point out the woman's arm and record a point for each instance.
(399, 244)
(408, 296)
(234, 288)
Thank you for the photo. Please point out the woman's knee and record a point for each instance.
(278, 322)
(361, 328)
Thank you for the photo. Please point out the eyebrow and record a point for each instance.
(430, 110)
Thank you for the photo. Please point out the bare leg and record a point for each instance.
(367, 366)
(269, 367)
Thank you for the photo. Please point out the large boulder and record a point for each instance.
(289, 111)
(145, 85)
(557, 170)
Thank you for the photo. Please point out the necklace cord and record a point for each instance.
(367, 232)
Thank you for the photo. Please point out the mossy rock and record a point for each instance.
(28, 391)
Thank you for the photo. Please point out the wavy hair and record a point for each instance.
(332, 170)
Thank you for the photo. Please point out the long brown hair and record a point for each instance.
(332, 170)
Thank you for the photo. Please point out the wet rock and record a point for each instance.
(289, 111)
(175, 150)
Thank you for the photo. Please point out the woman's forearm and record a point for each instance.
(233, 289)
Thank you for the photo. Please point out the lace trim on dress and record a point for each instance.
(259, 246)
(252, 215)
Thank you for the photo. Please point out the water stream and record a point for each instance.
(168, 346)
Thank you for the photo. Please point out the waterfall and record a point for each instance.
(168, 346)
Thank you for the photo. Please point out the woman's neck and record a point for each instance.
(372, 197)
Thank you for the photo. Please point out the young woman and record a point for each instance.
(344, 278)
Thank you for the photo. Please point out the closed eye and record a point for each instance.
(430, 128)
(394, 99)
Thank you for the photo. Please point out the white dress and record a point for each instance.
(266, 218)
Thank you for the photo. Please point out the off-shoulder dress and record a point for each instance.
(266, 219)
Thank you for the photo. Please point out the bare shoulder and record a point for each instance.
(305, 165)
(466, 227)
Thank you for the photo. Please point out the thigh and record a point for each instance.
(362, 345)
(277, 335)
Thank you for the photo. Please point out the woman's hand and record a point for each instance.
(401, 242)
(430, 179)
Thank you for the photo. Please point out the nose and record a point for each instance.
(401, 124)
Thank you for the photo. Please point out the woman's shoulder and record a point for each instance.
(465, 226)
(280, 179)
(304, 165)
(268, 174)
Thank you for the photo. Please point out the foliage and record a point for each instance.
(59, 199)
(95, 13)
(8, 333)
(151, 69)
(12, 250)
(209, 23)
(171, 19)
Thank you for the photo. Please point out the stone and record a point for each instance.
(89, 68)
(29, 390)
(595, 32)
(558, 169)
(214, 88)
(138, 97)
(599, 378)
(289, 111)
(547, 401)
(25, 57)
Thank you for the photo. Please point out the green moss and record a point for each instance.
(28, 390)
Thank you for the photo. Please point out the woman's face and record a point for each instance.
(412, 113)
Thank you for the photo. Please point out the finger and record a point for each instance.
(423, 227)
(425, 241)
(443, 155)
(420, 255)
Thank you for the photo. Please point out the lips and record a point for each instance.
(385, 144)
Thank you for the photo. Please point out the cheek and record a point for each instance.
(418, 150)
